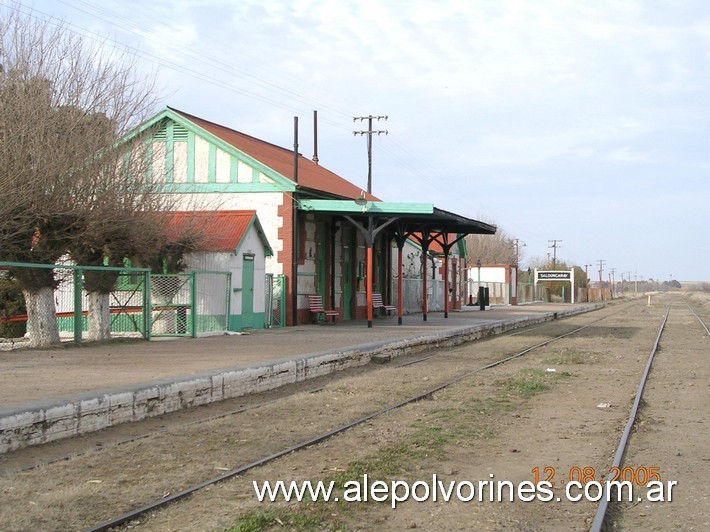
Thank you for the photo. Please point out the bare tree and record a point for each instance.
(491, 249)
(124, 219)
(64, 105)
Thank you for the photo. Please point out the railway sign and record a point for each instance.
(556, 275)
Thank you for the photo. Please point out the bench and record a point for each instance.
(315, 304)
(377, 303)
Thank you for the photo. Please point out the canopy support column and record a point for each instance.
(400, 246)
(425, 289)
(368, 284)
(446, 283)
(369, 232)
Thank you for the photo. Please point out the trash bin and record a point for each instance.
(483, 297)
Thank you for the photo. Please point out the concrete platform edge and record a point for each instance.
(64, 417)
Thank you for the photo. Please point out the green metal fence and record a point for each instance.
(137, 304)
(79, 315)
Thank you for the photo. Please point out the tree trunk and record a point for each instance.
(41, 317)
(99, 317)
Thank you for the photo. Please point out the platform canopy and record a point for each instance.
(419, 221)
(406, 218)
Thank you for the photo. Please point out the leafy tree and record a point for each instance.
(671, 285)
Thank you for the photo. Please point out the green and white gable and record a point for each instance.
(189, 159)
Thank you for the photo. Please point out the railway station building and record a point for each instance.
(333, 238)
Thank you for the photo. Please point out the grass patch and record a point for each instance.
(387, 462)
(492, 406)
(531, 381)
(257, 520)
(568, 357)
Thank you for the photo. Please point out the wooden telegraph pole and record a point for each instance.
(369, 134)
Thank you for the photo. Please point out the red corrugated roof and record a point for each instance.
(212, 230)
(310, 174)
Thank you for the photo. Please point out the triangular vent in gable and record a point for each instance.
(179, 132)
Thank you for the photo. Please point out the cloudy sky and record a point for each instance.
(586, 122)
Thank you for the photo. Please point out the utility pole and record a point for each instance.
(601, 271)
(517, 249)
(369, 134)
(554, 247)
(613, 281)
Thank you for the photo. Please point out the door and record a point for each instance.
(248, 291)
(347, 274)
(321, 262)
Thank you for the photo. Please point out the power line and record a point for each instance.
(114, 18)
(262, 88)
(172, 65)
(134, 27)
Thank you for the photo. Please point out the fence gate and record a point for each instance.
(190, 304)
(171, 304)
(211, 301)
(275, 300)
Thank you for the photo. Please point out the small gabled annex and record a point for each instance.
(228, 241)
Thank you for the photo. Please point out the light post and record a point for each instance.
(516, 243)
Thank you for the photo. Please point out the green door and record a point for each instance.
(321, 261)
(347, 284)
(248, 291)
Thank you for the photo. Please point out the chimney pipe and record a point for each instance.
(315, 137)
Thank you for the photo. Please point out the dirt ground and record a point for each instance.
(501, 424)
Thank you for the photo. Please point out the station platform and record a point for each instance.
(56, 393)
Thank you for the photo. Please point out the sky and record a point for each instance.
(586, 122)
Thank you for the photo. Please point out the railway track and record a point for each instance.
(185, 493)
(308, 433)
(601, 518)
(95, 443)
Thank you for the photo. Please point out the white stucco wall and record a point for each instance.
(489, 274)
(229, 262)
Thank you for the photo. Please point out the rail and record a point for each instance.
(130, 515)
(599, 517)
